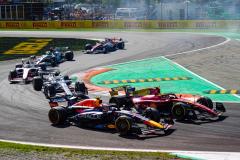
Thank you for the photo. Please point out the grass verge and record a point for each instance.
(11, 150)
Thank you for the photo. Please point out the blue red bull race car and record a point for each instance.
(92, 113)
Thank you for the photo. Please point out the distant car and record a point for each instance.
(25, 71)
(180, 106)
(108, 45)
(91, 113)
(61, 86)
(55, 56)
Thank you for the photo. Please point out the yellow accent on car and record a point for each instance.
(155, 124)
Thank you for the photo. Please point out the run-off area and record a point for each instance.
(166, 71)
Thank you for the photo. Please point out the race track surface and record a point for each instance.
(23, 112)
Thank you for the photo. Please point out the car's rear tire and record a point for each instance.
(206, 102)
(123, 125)
(88, 47)
(121, 45)
(69, 55)
(80, 87)
(57, 115)
(179, 111)
(153, 114)
(116, 101)
(49, 91)
(37, 83)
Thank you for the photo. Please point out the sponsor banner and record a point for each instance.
(120, 24)
(68, 24)
(14, 24)
(40, 24)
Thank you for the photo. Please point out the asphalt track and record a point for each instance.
(23, 112)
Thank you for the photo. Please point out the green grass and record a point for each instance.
(71, 153)
(7, 43)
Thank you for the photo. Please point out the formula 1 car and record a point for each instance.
(108, 45)
(56, 56)
(91, 113)
(180, 107)
(57, 85)
(25, 71)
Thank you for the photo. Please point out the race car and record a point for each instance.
(61, 86)
(178, 106)
(93, 114)
(108, 45)
(25, 71)
(56, 56)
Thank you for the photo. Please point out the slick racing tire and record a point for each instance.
(117, 101)
(153, 114)
(123, 125)
(67, 79)
(88, 47)
(121, 45)
(80, 87)
(57, 115)
(37, 83)
(69, 55)
(179, 111)
(49, 91)
(206, 102)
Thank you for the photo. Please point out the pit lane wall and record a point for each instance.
(120, 24)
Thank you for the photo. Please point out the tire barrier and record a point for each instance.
(145, 80)
(228, 91)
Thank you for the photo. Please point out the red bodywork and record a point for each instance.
(165, 102)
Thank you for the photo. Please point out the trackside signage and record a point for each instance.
(121, 24)
(39, 24)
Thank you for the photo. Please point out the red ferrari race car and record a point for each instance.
(178, 106)
(92, 113)
(108, 45)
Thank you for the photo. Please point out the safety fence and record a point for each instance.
(120, 24)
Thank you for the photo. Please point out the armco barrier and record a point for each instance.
(120, 24)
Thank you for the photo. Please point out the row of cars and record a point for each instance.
(33, 66)
(139, 112)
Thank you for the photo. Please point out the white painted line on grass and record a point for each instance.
(190, 154)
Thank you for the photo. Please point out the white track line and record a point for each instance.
(180, 53)
(190, 154)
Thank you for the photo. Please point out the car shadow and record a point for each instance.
(199, 122)
(147, 136)
(65, 125)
